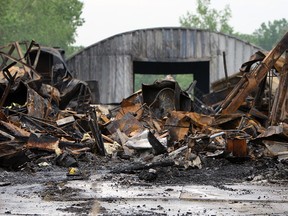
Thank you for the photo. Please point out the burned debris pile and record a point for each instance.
(47, 115)
(165, 125)
(42, 106)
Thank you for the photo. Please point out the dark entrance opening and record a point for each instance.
(198, 70)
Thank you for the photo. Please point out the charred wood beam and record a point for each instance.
(156, 145)
(260, 93)
(191, 87)
(19, 51)
(17, 160)
(63, 144)
(26, 119)
(40, 123)
(9, 148)
(281, 95)
(10, 80)
(26, 56)
(93, 124)
(6, 135)
(79, 101)
(251, 80)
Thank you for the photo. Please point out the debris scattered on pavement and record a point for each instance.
(47, 114)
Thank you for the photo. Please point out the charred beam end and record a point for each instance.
(98, 145)
(156, 145)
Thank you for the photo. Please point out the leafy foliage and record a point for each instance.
(269, 34)
(266, 36)
(50, 23)
(207, 18)
(184, 80)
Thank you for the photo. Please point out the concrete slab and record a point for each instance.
(112, 197)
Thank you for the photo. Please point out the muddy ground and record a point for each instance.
(214, 171)
(217, 172)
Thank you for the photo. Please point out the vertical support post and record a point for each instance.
(98, 144)
(225, 69)
(10, 80)
(280, 96)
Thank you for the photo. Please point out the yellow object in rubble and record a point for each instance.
(73, 171)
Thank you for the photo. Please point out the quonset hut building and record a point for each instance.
(112, 63)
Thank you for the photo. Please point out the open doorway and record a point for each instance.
(183, 72)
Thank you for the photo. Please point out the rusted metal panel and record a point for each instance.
(14, 130)
(177, 126)
(238, 147)
(128, 124)
(48, 143)
(37, 106)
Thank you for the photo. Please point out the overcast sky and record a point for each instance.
(105, 18)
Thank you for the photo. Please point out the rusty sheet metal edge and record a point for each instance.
(43, 142)
(16, 131)
(251, 80)
(279, 110)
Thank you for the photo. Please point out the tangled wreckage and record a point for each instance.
(47, 115)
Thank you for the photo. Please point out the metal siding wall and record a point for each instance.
(198, 45)
(206, 49)
(192, 43)
(143, 44)
(105, 82)
(113, 73)
(222, 48)
(114, 45)
(230, 55)
(128, 76)
(176, 44)
(238, 55)
(135, 50)
(166, 44)
(127, 47)
(150, 45)
(110, 61)
(214, 63)
(247, 52)
(99, 75)
(158, 45)
(183, 44)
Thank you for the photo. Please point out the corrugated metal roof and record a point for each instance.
(111, 60)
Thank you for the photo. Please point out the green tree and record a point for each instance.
(267, 35)
(270, 33)
(207, 18)
(184, 80)
(50, 23)
(246, 37)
